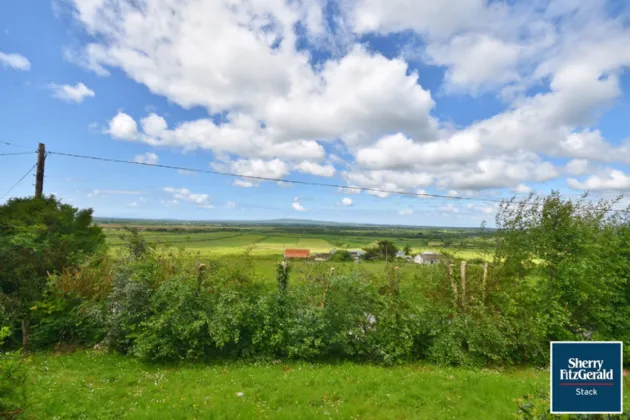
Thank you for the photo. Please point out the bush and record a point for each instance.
(341, 255)
(12, 381)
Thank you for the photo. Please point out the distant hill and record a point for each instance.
(275, 222)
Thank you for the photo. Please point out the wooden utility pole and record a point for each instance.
(39, 178)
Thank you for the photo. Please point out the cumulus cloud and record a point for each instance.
(230, 205)
(406, 212)
(522, 189)
(273, 110)
(123, 127)
(297, 205)
(69, 93)
(241, 135)
(608, 180)
(148, 158)
(116, 192)
(346, 201)
(14, 61)
(315, 169)
(244, 183)
(185, 195)
(578, 167)
(253, 168)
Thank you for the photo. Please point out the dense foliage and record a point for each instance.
(381, 250)
(12, 381)
(39, 236)
(560, 272)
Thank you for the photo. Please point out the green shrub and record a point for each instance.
(12, 381)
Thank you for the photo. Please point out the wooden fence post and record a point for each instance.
(483, 284)
(463, 282)
(453, 285)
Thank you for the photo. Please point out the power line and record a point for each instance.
(310, 183)
(20, 180)
(15, 145)
(18, 153)
(262, 178)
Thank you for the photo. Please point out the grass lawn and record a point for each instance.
(94, 386)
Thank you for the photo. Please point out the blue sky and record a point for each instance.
(471, 98)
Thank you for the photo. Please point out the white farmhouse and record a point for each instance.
(427, 258)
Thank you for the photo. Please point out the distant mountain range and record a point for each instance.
(274, 222)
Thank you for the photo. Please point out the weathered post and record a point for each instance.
(452, 279)
(463, 282)
(485, 279)
(39, 177)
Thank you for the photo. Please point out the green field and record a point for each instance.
(272, 240)
(89, 385)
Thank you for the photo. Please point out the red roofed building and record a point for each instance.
(296, 253)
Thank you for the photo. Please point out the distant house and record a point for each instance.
(427, 258)
(356, 253)
(400, 254)
(296, 254)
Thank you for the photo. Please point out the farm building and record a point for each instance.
(427, 258)
(356, 253)
(296, 254)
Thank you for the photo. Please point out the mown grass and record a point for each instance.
(99, 386)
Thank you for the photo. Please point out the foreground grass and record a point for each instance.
(89, 385)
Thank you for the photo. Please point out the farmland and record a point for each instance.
(271, 240)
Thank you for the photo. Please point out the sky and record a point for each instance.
(460, 98)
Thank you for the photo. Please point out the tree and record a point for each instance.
(341, 255)
(383, 249)
(407, 249)
(577, 252)
(40, 236)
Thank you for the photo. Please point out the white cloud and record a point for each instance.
(346, 201)
(436, 19)
(116, 192)
(185, 172)
(578, 167)
(522, 189)
(608, 180)
(123, 127)
(244, 183)
(230, 205)
(476, 60)
(297, 205)
(76, 93)
(148, 158)
(390, 98)
(406, 212)
(274, 168)
(185, 195)
(398, 151)
(316, 169)
(240, 134)
(132, 204)
(154, 125)
(15, 61)
(268, 101)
